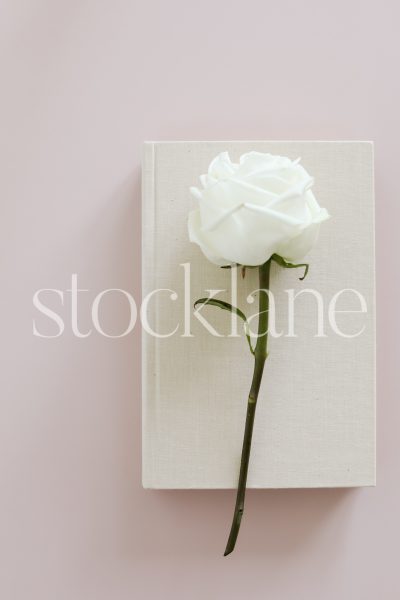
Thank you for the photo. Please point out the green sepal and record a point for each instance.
(239, 265)
(287, 265)
(233, 309)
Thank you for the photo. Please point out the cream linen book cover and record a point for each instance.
(315, 420)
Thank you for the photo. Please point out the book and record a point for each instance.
(315, 419)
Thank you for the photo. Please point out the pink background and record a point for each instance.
(83, 84)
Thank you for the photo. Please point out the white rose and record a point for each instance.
(248, 211)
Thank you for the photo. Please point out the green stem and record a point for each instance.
(260, 355)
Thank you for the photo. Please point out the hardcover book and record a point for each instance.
(315, 424)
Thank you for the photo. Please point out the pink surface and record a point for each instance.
(83, 84)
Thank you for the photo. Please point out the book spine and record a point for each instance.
(148, 270)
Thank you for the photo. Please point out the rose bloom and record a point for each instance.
(249, 210)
